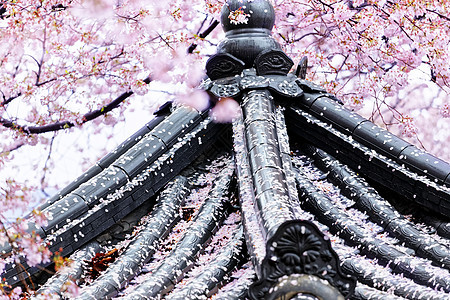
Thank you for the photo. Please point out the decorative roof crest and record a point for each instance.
(248, 42)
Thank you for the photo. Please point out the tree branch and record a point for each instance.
(47, 160)
(10, 99)
(66, 124)
(11, 150)
(204, 34)
(439, 14)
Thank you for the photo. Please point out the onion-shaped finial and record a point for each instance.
(237, 14)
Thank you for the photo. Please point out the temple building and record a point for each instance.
(299, 198)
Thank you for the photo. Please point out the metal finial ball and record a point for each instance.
(237, 14)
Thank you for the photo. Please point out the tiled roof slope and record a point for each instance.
(388, 252)
(122, 182)
(299, 198)
(391, 255)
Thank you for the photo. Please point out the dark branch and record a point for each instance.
(66, 124)
(6, 152)
(204, 34)
(10, 99)
(47, 160)
(439, 14)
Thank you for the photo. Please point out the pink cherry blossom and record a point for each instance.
(71, 290)
(445, 111)
(196, 99)
(225, 110)
(407, 126)
(238, 16)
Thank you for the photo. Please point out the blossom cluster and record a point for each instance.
(238, 16)
(387, 59)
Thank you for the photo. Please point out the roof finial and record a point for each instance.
(248, 43)
(248, 25)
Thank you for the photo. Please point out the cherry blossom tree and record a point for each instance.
(74, 70)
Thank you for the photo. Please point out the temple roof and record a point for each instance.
(298, 198)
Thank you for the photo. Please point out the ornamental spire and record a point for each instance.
(248, 25)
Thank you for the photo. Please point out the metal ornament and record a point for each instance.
(223, 65)
(273, 62)
(302, 68)
(283, 86)
(299, 247)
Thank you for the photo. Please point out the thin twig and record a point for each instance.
(204, 34)
(12, 149)
(9, 100)
(47, 160)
